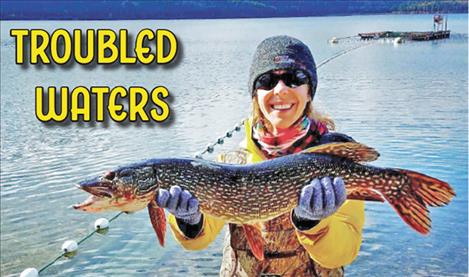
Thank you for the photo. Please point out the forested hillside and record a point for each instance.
(217, 9)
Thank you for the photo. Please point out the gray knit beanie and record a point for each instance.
(282, 52)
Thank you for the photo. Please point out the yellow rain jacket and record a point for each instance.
(320, 251)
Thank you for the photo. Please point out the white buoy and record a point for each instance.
(69, 246)
(29, 272)
(398, 40)
(101, 223)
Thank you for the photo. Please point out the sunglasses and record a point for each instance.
(291, 78)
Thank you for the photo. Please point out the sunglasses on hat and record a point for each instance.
(291, 78)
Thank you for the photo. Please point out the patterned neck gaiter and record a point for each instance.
(299, 136)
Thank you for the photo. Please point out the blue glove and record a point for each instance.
(180, 203)
(321, 198)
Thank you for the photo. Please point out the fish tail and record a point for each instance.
(414, 213)
(411, 204)
(408, 192)
(432, 191)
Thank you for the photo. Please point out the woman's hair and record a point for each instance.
(310, 111)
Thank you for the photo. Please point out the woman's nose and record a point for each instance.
(280, 88)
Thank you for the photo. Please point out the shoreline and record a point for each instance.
(217, 18)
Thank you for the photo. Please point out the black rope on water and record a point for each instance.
(79, 242)
(343, 52)
(208, 149)
(51, 263)
(335, 39)
(220, 140)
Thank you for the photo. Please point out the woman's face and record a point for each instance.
(282, 105)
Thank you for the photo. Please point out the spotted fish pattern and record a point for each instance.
(249, 194)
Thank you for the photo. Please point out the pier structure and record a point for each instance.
(440, 31)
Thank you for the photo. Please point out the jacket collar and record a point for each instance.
(255, 154)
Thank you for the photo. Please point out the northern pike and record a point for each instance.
(249, 194)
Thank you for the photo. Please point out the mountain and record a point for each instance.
(114, 10)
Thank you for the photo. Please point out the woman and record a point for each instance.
(323, 233)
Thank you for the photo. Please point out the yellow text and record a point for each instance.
(100, 102)
(103, 46)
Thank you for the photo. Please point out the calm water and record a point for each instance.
(408, 101)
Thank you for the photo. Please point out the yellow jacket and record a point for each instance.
(332, 243)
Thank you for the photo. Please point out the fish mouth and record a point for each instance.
(87, 203)
(99, 189)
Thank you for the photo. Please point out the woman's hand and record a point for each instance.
(321, 198)
(180, 203)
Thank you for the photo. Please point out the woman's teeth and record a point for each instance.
(282, 107)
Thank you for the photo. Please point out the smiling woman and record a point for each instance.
(280, 107)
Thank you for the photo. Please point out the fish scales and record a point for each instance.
(231, 189)
(247, 194)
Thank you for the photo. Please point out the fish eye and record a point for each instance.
(109, 175)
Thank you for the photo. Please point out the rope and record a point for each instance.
(208, 149)
(343, 52)
(342, 38)
(79, 242)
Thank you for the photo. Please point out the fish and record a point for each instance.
(250, 194)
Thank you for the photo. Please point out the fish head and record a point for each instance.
(127, 189)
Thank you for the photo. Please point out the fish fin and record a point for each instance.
(255, 240)
(432, 191)
(357, 152)
(361, 193)
(422, 190)
(413, 212)
(158, 220)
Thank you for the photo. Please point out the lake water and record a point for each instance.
(408, 101)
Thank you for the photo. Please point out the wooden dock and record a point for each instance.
(420, 36)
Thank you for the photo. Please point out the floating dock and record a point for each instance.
(421, 36)
(440, 31)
